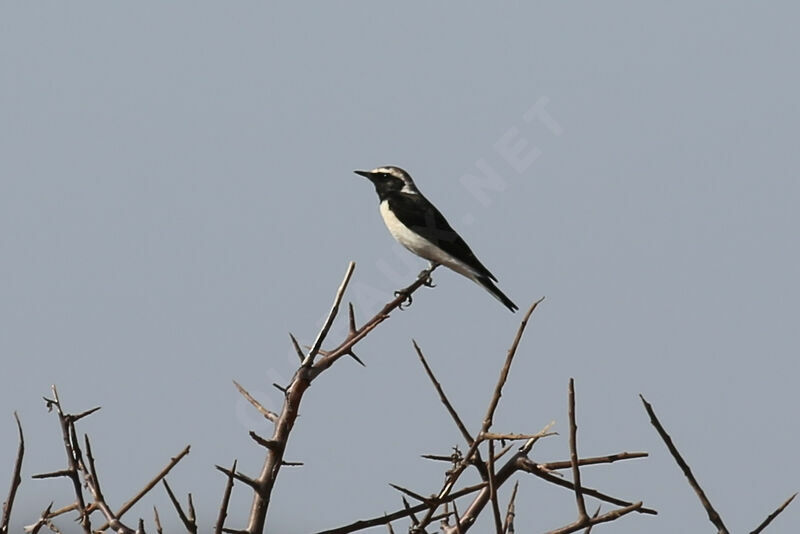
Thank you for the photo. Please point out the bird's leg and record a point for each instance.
(425, 275)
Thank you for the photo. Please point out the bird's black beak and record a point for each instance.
(365, 174)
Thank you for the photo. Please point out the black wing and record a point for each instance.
(422, 217)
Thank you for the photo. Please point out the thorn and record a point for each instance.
(297, 348)
(352, 316)
(356, 358)
(270, 444)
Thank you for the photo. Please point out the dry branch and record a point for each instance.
(16, 480)
(226, 497)
(93, 484)
(773, 515)
(309, 369)
(150, 485)
(713, 516)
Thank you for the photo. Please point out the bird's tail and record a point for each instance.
(495, 291)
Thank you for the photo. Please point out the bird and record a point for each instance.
(421, 228)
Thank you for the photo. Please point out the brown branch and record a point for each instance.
(157, 520)
(297, 348)
(188, 519)
(594, 516)
(498, 523)
(713, 516)
(411, 494)
(555, 466)
(93, 484)
(451, 410)
(16, 480)
(72, 450)
(301, 381)
(610, 516)
(359, 334)
(516, 437)
(226, 497)
(508, 525)
(323, 333)
(264, 442)
(773, 515)
(400, 514)
(42, 521)
(241, 477)
(443, 397)
(528, 466)
(498, 390)
(471, 515)
(150, 485)
(583, 517)
(54, 474)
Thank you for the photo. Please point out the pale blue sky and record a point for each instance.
(176, 194)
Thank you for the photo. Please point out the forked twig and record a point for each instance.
(188, 517)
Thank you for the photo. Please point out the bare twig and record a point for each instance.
(72, 449)
(312, 353)
(269, 415)
(498, 390)
(498, 522)
(93, 484)
(150, 485)
(411, 494)
(16, 480)
(42, 521)
(531, 467)
(443, 397)
(297, 348)
(773, 515)
(713, 516)
(226, 497)
(554, 466)
(301, 381)
(610, 516)
(508, 525)
(400, 514)
(452, 411)
(157, 520)
(187, 519)
(241, 477)
(516, 437)
(455, 473)
(595, 515)
(583, 517)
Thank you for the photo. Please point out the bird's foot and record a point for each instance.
(427, 281)
(426, 274)
(405, 292)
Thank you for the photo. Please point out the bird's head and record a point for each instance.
(387, 179)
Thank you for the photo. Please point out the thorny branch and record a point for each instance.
(314, 362)
(310, 368)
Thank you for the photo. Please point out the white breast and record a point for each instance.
(420, 246)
